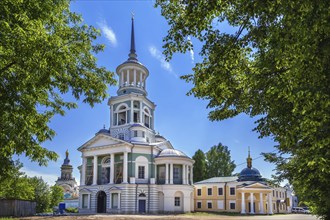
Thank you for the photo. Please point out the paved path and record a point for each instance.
(172, 217)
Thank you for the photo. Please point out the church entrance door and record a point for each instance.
(101, 202)
(142, 206)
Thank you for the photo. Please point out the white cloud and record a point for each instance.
(108, 32)
(48, 178)
(191, 51)
(163, 63)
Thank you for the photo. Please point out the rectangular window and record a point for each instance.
(232, 191)
(232, 205)
(141, 172)
(276, 194)
(143, 134)
(199, 205)
(209, 191)
(114, 200)
(273, 193)
(209, 205)
(220, 204)
(220, 191)
(135, 133)
(85, 201)
(199, 192)
(176, 173)
(176, 201)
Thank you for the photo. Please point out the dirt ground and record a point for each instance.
(171, 217)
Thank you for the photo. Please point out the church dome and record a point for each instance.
(103, 131)
(249, 174)
(171, 153)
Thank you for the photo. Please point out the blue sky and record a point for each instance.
(181, 119)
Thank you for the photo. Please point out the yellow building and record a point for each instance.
(247, 193)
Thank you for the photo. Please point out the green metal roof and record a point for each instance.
(223, 179)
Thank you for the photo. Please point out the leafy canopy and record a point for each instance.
(199, 171)
(45, 52)
(275, 66)
(216, 162)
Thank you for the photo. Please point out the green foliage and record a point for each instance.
(214, 163)
(45, 52)
(56, 195)
(219, 162)
(42, 194)
(199, 171)
(72, 210)
(17, 186)
(273, 65)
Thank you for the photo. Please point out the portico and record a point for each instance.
(255, 198)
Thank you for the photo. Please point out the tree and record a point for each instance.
(56, 195)
(219, 161)
(199, 171)
(17, 185)
(45, 52)
(42, 194)
(275, 67)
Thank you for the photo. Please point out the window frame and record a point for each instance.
(177, 201)
(208, 191)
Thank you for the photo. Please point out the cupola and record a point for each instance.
(132, 74)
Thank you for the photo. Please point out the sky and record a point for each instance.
(182, 119)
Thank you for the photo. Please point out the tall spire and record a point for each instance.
(132, 55)
(249, 160)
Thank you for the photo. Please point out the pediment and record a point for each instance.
(101, 140)
(256, 185)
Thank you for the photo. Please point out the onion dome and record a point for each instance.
(172, 153)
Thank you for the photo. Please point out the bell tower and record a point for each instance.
(131, 112)
(132, 74)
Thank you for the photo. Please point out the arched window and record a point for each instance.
(147, 118)
(121, 115)
(105, 170)
(136, 112)
(141, 169)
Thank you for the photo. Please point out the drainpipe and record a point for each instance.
(136, 188)
(225, 196)
(131, 163)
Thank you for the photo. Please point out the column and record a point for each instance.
(171, 173)
(141, 121)
(111, 115)
(134, 77)
(112, 168)
(95, 171)
(166, 173)
(252, 205)
(270, 204)
(243, 203)
(156, 173)
(132, 111)
(191, 175)
(83, 172)
(183, 174)
(127, 74)
(125, 168)
(122, 78)
(141, 79)
(261, 204)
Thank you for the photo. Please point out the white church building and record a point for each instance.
(129, 168)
